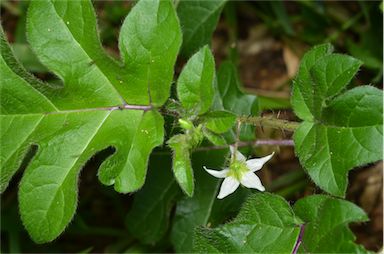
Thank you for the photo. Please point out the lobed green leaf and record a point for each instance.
(70, 123)
(214, 138)
(340, 130)
(350, 136)
(219, 121)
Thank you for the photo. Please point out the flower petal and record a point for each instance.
(239, 156)
(228, 186)
(256, 164)
(250, 180)
(216, 173)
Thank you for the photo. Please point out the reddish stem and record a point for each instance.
(299, 239)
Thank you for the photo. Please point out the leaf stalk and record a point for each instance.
(260, 142)
(269, 122)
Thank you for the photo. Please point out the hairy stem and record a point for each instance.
(261, 142)
(269, 122)
(236, 145)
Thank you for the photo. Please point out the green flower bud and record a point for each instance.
(185, 124)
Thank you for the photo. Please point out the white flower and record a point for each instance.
(240, 171)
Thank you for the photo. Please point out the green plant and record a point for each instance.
(105, 102)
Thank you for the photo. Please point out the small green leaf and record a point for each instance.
(148, 219)
(196, 211)
(326, 224)
(198, 20)
(195, 83)
(185, 124)
(219, 121)
(213, 137)
(265, 224)
(182, 145)
(302, 94)
(181, 164)
(331, 75)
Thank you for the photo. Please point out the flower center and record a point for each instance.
(237, 169)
